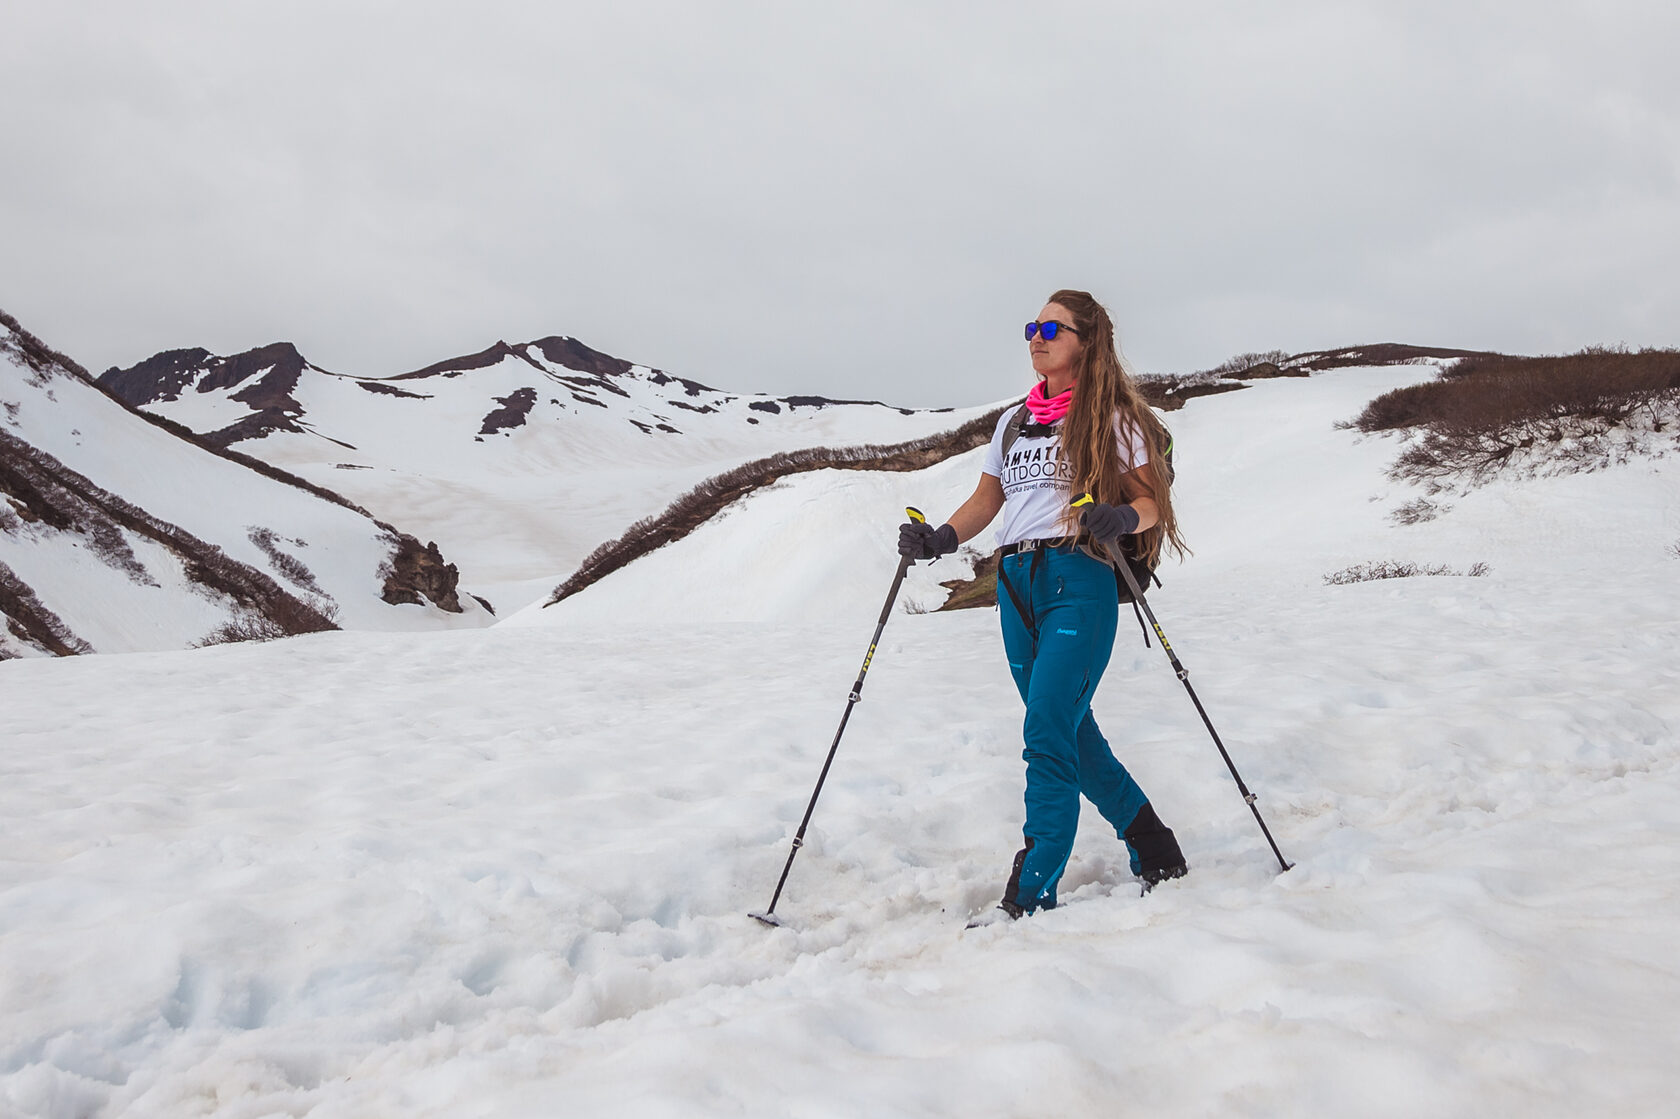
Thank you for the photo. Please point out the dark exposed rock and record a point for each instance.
(765, 406)
(575, 355)
(590, 384)
(515, 409)
(280, 366)
(164, 376)
(823, 402)
(160, 377)
(416, 575)
(392, 390)
(978, 590)
(455, 366)
(255, 426)
(693, 388)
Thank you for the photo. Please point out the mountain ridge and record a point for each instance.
(121, 530)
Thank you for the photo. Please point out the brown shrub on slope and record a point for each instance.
(1486, 409)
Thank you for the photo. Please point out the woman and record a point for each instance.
(1089, 432)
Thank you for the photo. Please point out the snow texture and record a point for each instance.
(505, 872)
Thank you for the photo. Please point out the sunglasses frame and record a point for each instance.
(1035, 328)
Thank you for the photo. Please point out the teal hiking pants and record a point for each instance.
(1057, 656)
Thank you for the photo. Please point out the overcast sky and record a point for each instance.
(853, 199)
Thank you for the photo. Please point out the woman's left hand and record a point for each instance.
(1108, 523)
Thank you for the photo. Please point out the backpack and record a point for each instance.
(1142, 570)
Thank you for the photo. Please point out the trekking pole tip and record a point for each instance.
(770, 919)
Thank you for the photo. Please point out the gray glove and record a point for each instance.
(921, 541)
(1108, 523)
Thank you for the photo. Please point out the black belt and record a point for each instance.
(1062, 543)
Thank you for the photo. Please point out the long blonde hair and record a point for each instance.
(1103, 391)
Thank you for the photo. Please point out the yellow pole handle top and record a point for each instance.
(915, 514)
(1083, 499)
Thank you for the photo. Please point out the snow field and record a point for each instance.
(505, 872)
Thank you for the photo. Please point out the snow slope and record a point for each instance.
(155, 602)
(504, 872)
(1256, 471)
(591, 443)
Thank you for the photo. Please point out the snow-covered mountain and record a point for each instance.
(518, 460)
(118, 533)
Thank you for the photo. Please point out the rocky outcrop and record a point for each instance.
(254, 426)
(269, 374)
(160, 377)
(277, 368)
(575, 355)
(455, 366)
(515, 407)
(417, 575)
(382, 389)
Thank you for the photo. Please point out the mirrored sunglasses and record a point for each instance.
(1048, 329)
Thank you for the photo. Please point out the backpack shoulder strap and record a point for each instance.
(1013, 431)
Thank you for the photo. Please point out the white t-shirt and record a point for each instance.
(1038, 481)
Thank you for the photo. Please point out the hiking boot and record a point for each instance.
(1156, 856)
(997, 915)
(1153, 878)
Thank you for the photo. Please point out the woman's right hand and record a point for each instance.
(921, 541)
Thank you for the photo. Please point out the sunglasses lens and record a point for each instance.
(1048, 329)
(1032, 329)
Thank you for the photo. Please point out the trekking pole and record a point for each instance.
(769, 915)
(1183, 674)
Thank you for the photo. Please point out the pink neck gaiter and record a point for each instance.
(1048, 411)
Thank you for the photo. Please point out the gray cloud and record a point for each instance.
(859, 201)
